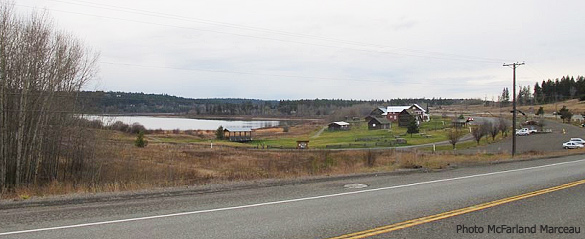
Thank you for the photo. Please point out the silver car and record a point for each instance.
(572, 145)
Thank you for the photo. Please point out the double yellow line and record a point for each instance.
(422, 220)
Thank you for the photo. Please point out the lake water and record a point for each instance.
(167, 123)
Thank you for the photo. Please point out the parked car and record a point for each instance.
(522, 132)
(572, 145)
(577, 140)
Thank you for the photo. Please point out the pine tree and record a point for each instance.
(140, 141)
(412, 127)
(219, 133)
(505, 99)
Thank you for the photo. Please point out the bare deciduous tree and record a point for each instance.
(494, 130)
(477, 132)
(454, 136)
(503, 126)
(486, 127)
(41, 70)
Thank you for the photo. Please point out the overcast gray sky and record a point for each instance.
(306, 49)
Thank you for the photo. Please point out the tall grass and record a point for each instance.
(120, 166)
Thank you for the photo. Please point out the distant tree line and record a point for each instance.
(549, 91)
(568, 87)
(99, 102)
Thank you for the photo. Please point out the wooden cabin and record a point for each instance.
(379, 123)
(338, 126)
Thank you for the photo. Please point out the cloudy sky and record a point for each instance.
(306, 49)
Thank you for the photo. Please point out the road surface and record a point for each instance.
(328, 209)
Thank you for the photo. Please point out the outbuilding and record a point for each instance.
(238, 134)
(406, 116)
(379, 123)
(339, 126)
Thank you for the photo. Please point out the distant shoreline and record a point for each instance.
(213, 117)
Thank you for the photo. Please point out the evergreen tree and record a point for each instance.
(219, 133)
(140, 141)
(540, 111)
(538, 96)
(505, 98)
(565, 114)
(412, 127)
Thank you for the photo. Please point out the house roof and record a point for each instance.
(420, 108)
(381, 120)
(237, 129)
(384, 111)
(396, 109)
(340, 123)
(407, 111)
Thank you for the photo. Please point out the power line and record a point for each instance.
(252, 28)
(422, 54)
(407, 82)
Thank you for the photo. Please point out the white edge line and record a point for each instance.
(283, 201)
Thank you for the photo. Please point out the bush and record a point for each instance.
(137, 128)
(140, 141)
(119, 126)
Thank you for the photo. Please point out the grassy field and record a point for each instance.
(121, 166)
(186, 158)
(359, 136)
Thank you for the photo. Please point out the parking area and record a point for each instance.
(536, 142)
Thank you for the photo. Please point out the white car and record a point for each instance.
(577, 140)
(522, 132)
(572, 145)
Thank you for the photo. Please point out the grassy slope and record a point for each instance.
(360, 130)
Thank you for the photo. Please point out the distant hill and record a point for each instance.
(100, 102)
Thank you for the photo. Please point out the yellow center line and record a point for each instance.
(422, 220)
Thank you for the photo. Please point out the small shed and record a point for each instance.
(459, 123)
(379, 123)
(238, 134)
(339, 126)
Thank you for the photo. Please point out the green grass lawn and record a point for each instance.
(359, 134)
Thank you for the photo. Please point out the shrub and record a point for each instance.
(137, 128)
(140, 141)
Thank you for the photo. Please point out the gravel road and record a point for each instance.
(544, 142)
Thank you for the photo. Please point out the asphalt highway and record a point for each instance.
(328, 209)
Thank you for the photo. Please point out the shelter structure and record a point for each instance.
(303, 144)
(238, 134)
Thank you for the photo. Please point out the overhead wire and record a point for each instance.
(407, 82)
(252, 28)
(417, 53)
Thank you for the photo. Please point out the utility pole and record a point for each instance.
(514, 65)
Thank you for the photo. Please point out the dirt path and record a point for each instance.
(319, 133)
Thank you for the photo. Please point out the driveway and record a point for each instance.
(535, 142)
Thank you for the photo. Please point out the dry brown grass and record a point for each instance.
(120, 166)
(296, 131)
(575, 106)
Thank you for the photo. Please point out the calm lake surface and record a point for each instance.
(168, 123)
